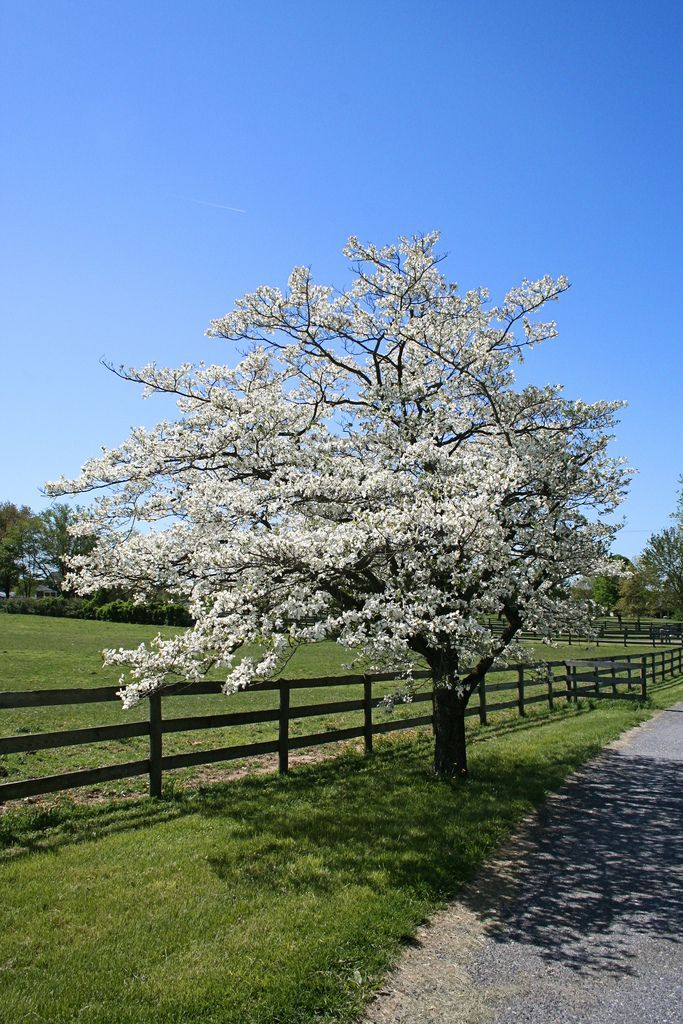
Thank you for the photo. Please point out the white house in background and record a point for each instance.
(41, 591)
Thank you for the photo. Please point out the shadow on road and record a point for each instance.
(602, 861)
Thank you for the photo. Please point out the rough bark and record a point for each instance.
(450, 751)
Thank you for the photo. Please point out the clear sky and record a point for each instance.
(539, 138)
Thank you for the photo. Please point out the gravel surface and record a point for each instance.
(580, 919)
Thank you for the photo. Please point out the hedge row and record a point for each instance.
(154, 613)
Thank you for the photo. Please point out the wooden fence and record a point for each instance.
(611, 631)
(555, 680)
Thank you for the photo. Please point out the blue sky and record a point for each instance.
(539, 138)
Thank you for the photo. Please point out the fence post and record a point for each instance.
(283, 732)
(482, 701)
(643, 677)
(155, 741)
(520, 689)
(549, 679)
(367, 714)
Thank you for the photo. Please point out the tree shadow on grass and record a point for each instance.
(383, 823)
(364, 817)
(368, 815)
(43, 829)
(604, 855)
(36, 828)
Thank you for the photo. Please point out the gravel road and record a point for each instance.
(580, 920)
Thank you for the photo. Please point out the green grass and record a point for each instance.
(40, 653)
(269, 900)
(266, 900)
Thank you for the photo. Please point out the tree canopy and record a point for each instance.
(656, 583)
(368, 473)
(16, 524)
(35, 547)
(606, 590)
(662, 565)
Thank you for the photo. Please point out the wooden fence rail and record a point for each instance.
(611, 631)
(597, 677)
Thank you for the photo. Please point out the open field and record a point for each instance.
(38, 653)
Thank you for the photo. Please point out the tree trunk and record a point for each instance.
(450, 752)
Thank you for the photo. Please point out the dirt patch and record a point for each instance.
(431, 984)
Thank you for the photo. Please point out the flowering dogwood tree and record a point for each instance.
(367, 473)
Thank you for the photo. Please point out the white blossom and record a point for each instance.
(367, 473)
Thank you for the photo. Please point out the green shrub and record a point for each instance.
(153, 613)
(63, 607)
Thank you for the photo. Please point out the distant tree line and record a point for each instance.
(653, 583)
(35, 548)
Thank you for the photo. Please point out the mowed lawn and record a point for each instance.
(40, 653)
(264, 900)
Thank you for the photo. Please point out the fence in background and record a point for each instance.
(627, 678)
(611, 631)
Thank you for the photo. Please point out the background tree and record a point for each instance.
(662, 562)
(36, 547)
(606, 590)
(57, 544)
(16, 522)
(656, 584)
(638, 593)
(10, 568)
(368, 473)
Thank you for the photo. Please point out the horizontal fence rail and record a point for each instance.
(609, 631)
(627, 678)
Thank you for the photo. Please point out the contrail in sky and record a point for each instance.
(217, 206)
